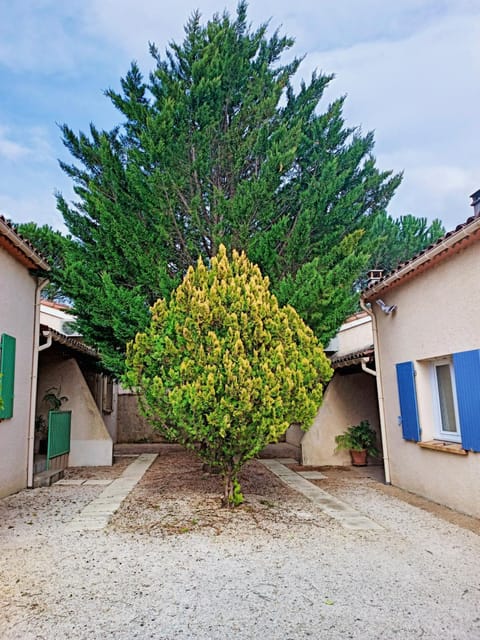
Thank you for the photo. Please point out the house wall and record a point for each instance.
(90, 444)
(54, 317)
(438, 314)
(349, 399)
(355, 334)
(17, 305)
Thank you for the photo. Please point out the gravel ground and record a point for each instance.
(172, 564)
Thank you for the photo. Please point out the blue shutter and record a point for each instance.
(408, 401)
(467, 382)
(7, 371)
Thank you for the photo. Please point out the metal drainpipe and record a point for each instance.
(363, 364)
(48, 344)
(33, 381)
(381, 409)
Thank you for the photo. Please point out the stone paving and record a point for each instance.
(83, 481)
(312, 475)
(348, 517)
(96, 514)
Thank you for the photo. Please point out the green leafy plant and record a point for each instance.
(41, 426)
(53, 398)
(223, 369)
(358, 437)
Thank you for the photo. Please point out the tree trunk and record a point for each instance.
(227, 500)
(232, 496)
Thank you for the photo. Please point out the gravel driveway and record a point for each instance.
(276, 569)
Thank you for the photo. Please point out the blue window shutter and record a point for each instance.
(408, 401)
(7, 371)
(467, 382)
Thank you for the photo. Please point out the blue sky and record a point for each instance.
(410, 69)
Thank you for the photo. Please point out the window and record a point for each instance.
(456, 399)
(447, 425)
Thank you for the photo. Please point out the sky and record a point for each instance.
(410, 70)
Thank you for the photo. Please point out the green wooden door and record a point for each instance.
(59, 424)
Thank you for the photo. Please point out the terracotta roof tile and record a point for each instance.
(20, 248)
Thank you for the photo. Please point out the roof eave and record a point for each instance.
(20, 248)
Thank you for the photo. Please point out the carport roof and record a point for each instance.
(69, 342)
(353, 357)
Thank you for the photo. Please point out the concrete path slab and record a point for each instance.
(348, 517)
(312, 475)
(96, 514)
(89, 482)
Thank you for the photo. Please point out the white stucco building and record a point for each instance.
(19, 336)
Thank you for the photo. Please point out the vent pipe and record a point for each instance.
(476, 203)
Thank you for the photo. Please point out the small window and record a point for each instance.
(447, 425)
(107, 394)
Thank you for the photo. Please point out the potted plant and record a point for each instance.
(40, 435)
(360, 440)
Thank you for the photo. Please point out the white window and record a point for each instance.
(447, 425)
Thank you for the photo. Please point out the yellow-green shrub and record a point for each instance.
(223, 369)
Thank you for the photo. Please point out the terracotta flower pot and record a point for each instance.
(359, 458)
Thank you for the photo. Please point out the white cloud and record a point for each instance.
(31, 143)
(43, 36)
(436, 190)
(9, 149)
(37, 205)
(410, 70)
(321, 25)
(419, 94)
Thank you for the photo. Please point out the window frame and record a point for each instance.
(439, 432)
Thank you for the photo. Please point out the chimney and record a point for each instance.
(476, 203)
(375, 275)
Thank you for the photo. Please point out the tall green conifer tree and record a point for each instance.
(394, 241)
(217, 147)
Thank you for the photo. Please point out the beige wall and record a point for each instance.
(54, 318)
(90, 444)
(348, 400)
(355, 334)
(438, 314)
(17, 305)
(131, 425)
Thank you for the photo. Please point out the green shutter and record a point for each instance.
(7, 371)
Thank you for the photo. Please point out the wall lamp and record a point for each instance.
(387, 309)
